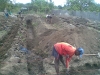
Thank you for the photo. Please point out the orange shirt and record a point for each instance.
(66, 50)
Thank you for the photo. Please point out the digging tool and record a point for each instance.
(98, 55)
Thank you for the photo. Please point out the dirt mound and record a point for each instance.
(12, 61)
(11, 28)
(38, 36)
(80, 21)
(72, 30)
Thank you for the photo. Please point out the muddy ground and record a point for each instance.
(38, 36)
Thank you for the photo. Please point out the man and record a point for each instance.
(6, 13)
(19, 14)
(49, 18)
(64, 49)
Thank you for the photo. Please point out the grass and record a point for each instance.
(35, 24)
(2, 33)
(42, 14)
(19, 34)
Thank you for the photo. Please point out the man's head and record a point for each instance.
(79, 52)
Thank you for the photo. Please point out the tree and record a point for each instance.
(3, 4)
(42, 5)
(79, 4)
(60, 7)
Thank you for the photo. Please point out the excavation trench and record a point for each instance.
(30, 34)
(34, 61)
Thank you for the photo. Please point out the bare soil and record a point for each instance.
(38, 37)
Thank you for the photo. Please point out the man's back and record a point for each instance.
(64, 48)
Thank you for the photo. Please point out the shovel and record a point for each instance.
(98, 55)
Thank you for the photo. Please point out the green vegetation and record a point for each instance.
(35, 5)
(2, 33)
(41, 5)
(82, 5)
(6, 4)
(46, 6)
(35, 24)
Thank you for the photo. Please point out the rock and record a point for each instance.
(14, 59)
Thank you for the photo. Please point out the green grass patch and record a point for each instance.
(2, 33)
(35, 24)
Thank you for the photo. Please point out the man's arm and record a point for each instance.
(67, 63)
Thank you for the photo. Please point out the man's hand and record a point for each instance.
(67, 71)
(78, 57)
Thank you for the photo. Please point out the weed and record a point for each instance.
(88, 65)
(35, 24)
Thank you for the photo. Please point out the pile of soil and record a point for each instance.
(38, 37)
(76, 31)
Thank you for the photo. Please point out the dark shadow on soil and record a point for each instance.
(35, 63)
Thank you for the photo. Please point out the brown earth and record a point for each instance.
(38, 36)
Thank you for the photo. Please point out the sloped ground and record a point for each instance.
(76, 31)
(13, 62)
(38, 36)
